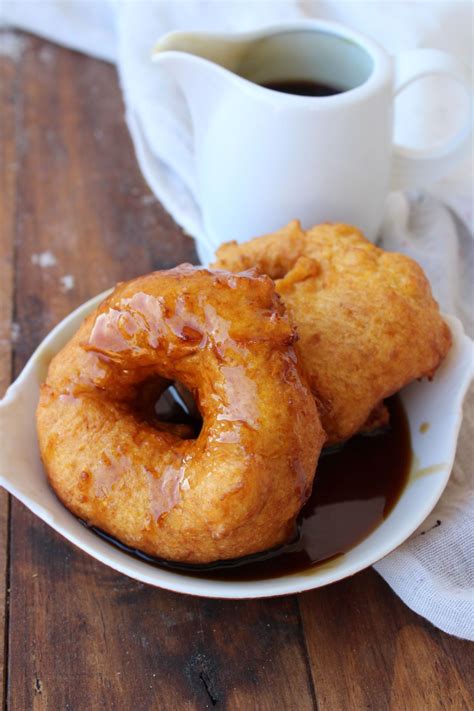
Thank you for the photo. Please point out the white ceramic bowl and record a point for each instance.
(439, 403)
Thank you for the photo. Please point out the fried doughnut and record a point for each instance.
(366, 319)
(237, 488)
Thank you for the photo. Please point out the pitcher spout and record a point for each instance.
(197, 67)
(221, 50)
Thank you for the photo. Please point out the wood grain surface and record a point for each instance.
(78, 635)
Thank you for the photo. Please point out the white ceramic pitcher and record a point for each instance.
(263, 158)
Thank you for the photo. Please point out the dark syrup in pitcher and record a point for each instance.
(355, 488)
(302, 87)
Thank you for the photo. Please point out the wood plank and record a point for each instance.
(86, 633)
(11, 46)
(369, 651)
(81, 635)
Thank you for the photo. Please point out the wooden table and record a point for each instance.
(78, 635)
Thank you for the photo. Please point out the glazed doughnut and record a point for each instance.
(366, 320)
(237, 487)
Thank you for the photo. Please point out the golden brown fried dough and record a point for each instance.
(239, 486)
(366, 319)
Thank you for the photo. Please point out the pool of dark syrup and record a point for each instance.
(355, 488)
(302, 87)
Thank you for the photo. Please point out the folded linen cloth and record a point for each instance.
(433, 572)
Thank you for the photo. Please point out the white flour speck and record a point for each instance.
(147, 199)
(44, 259)
(67, 282)
(46, 55)
(12, 45)
(15, 331)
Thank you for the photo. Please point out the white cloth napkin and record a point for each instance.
(432, 572)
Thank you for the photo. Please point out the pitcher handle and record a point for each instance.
(416, 167)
